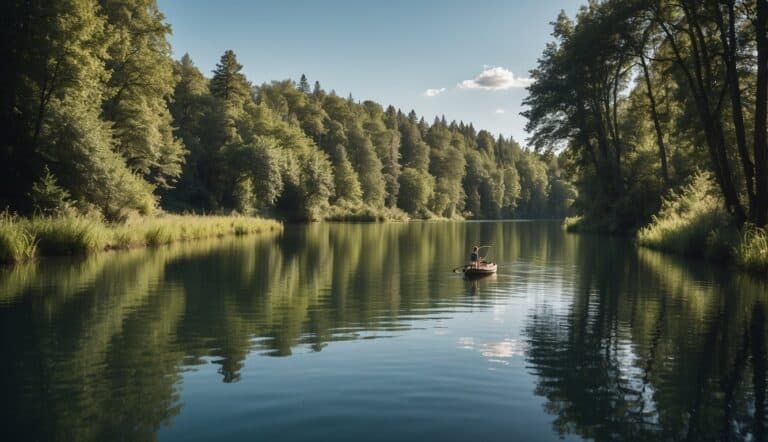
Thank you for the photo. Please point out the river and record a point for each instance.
(352, 332)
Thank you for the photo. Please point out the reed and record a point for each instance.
(752, 250)
(174, 228)
(22, 239)
(70, 235)
(16, 243)
(365, 213)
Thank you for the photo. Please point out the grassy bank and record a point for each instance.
(693, 222)
(23, 239)
(364, 213)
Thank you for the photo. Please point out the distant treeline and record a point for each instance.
(642, 94)
(98, 117)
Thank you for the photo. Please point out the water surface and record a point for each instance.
(361, 332)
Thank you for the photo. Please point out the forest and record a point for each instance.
(100, 119)
(658, 110)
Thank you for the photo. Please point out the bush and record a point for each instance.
(364, 213)
(47, 197)
(691, 221)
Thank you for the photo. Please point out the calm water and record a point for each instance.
(361, 332)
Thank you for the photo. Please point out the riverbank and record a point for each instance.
(364, 213)
(693, 222)
(24, 239)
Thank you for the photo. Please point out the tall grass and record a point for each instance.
(691, 221)
(175, 228)
(22, 239)
(364, 213)
(71, 235)
(16, 243)
(752, 250)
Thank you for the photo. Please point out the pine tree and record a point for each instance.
(304, 84)
(228, 83)
(233, 92)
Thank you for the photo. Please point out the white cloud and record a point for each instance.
(434, 92)
(500, 111)
(495, 79)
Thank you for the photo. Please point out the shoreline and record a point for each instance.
(24, 240)
(744, 249)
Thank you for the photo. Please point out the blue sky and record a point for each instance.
(472, 57)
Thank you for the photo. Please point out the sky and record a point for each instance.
(467, 60)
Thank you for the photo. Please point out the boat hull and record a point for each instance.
(482, 270)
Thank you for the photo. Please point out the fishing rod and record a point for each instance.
(482, 258)
(464, 267)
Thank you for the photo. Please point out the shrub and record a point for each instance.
(691, 221)
(47, 197)
(364, 213)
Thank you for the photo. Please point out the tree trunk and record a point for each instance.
(656, 123)
(730, 45)
(761, 95)
(712, 126)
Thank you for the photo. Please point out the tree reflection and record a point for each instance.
(646, 346)
(99, 344)
(652, 347)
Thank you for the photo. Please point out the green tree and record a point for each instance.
(416, 189)
(191, 107)
(304, 85)
(345, 178)
(58, 118)
(368, 166)
(229, 84)
(141, 81)
(414, 151)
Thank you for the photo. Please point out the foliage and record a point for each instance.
(636, 96)
(141, 80)
(689, 68)
(100, 118)
(47, 197)
(363, 213)
(416, 189)
(688, 219)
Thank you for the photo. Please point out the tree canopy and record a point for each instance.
(637, 95)
(100, 118)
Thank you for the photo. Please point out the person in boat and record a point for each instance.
(474, 257)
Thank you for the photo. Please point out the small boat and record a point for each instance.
(482, 269)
